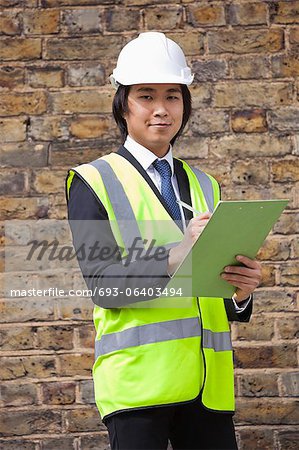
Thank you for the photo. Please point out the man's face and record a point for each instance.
(155, 113)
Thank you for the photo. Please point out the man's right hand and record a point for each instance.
(192, 232)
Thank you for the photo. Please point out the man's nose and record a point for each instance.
(160, 109)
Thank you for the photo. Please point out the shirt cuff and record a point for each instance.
(245, 303)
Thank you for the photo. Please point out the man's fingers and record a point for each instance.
(240, 270)
(230, 278)
(199, 217)
(252, 263)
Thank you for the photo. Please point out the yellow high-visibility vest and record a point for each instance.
(147, 354)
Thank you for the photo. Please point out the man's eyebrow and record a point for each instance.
(174, 90)
(148, 89)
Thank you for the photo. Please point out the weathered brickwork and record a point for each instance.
(55, 112)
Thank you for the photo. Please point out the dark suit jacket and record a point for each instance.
(83, 205)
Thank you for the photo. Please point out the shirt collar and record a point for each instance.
(144, 156)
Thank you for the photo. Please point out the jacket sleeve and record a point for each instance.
(99, 256)
(233, 315)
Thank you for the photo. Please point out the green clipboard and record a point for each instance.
(235, 228)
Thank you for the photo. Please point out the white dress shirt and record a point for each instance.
(146, 158)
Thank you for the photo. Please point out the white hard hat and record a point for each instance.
(151, 58)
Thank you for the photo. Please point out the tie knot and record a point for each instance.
(162, 166)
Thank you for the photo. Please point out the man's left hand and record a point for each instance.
(246, 278)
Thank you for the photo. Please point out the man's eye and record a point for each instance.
(146, 97)
(173, 97)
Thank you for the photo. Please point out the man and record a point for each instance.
(163, 367)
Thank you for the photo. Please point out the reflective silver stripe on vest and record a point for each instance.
(206, 186)
(148, 334)
(159, 332)
(120, 203)
(219, 341)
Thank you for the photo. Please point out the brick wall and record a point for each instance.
(55, 101)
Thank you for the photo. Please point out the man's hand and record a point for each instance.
(246, 279)
(192, 232)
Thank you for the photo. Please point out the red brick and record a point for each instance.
(266, 356)
(21, 338)
(249, 172)
(285, 65)
(49, 128)
(209, 70)
(87, 391)
(86, 336)
(80, 102)
(26, 309)
(249, 121)
(41, 21)
(256, 438)
(58, 393)
(209, 122)
(13, 104)
(65, 443)
(56, 337)
(48, 76)
(18, 444)
(249, 93)
(80, 21)
(245, 41)
(13, 130)
(14, 182)
(288, 439)
(169, 18)
(289, 382)
(13, 49)
(27, 366)
(93, 48)
(87, 74)
(9, 23)
(288, 327)
(287, 223)
(11, 77)
(19, 154)
(54, 3)
(95, 442)
(294, 35)
(289, 274)
(266, 411)
(16, 394)
(206, 15)
(275, 249)
(89, 126)
(83, 420)
(122, 19)
(258, 384)
(260, 328)
(284, 12)
(20, 423)
(75, 308)
(247, 14)
(284, 120)
(76, 365)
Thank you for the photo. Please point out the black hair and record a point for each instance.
(120, 108)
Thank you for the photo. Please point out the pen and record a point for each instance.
(185, 205)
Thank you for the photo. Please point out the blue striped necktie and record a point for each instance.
(167, 191)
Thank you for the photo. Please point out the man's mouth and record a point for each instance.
(160, 125)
